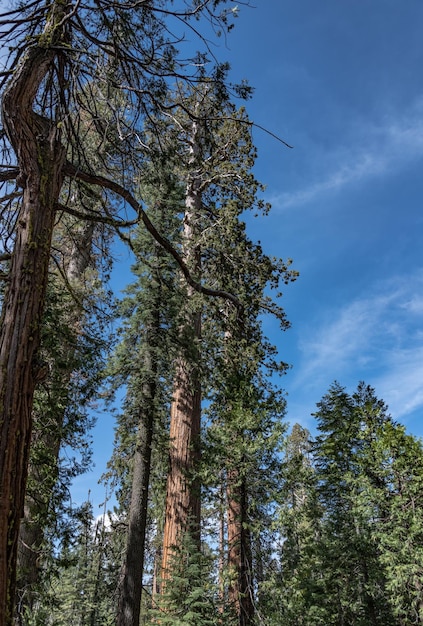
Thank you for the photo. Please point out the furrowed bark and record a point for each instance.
(182, 494)
(182, 512)
(32, 529)
(40, 157)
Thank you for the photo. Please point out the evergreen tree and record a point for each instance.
(345, 558)
(397, 501)
(246, 409)
(58, 52)
(189, 595)
(352, 577)
(293, 568)
(71, 356)
(143, 364)
(182, 507)
(218, 164)
(82, 589)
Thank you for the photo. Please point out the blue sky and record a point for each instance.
(342, 81)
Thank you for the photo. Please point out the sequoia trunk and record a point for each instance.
(182, 513)
(182, 496)
(40, 158)
(31, 535)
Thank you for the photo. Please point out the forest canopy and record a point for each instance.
(116, 126)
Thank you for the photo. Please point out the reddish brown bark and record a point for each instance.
(40, 157)
(182, 512)
(182, 496)
(32, 528)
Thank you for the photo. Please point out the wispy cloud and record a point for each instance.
(376, 339)
(414, 304)
(345, 337)
(401, 384)
(365, 152)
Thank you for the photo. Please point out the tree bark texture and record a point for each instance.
(182, 495)
(182, 513)
(130, 582)
(32, 528)
(40, 158)
(240, 591)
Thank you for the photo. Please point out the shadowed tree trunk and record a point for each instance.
(47, 432)
(130, 582)
(240, 591)
(40, 157)
(239, 560)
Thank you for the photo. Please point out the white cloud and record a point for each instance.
(362, 166)
(107, 519)
(377, 339)
(401, 384)
(366, 151)
(345, 336)
(414, 305)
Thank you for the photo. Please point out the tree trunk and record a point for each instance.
(31, 535)
(182, 496)
(240, 591)
(40, 157)
(222, 544)
(130, 582)
(182, 512)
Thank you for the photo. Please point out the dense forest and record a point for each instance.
(117, 127)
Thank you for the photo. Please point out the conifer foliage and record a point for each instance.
(111, 129)
(205, 191)
(66, 61)
(350, 517)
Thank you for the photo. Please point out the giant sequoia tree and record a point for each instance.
(205, 186)
(65, 58)
(70, 358)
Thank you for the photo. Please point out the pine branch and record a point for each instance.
(101, 181)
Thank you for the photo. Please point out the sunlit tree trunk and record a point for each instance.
(182, 513)
(182, 497)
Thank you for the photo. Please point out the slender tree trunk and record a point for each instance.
(99, 556)
(182, 512)
(155, 591)
(40, 157)
(130, 583)
(240, 592)
(222, 544)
